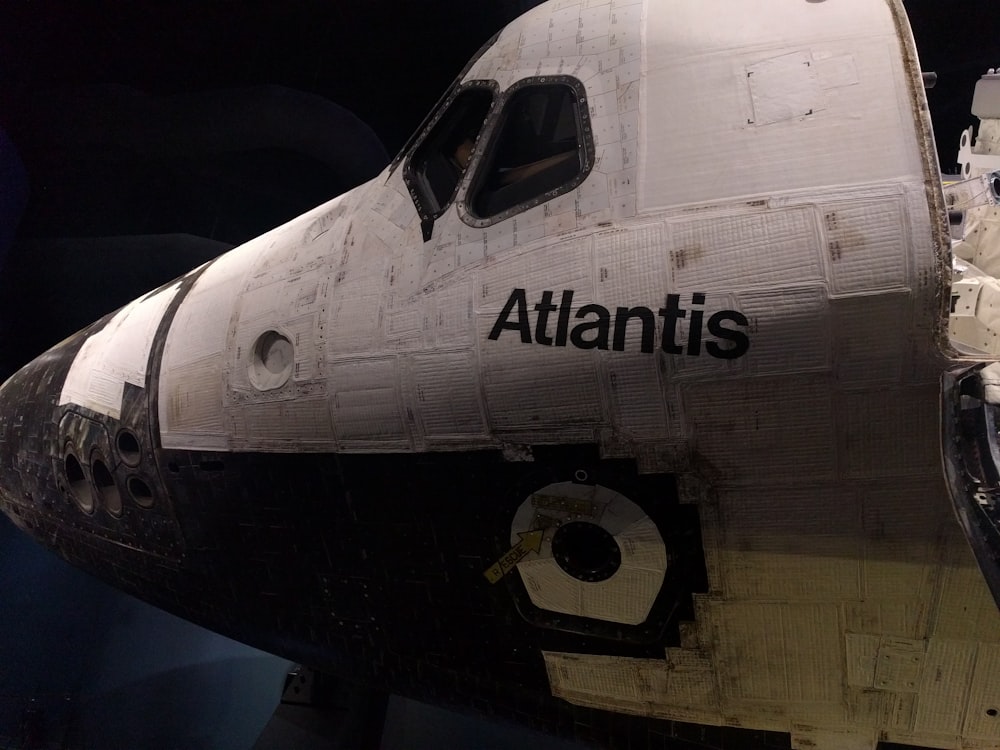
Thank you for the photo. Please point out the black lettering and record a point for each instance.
(694, 334)
(741, 342)
(602, 325)
(670, 314)
(622, 317)
(565, 304)
(594, 330)
(543, 309)
(517, 297)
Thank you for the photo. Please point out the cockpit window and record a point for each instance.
(436, 167)
(541, 148)
(538, 145)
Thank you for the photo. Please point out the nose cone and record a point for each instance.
(29, 429)
(78, 468)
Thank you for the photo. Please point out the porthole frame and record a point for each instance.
(259, 374)
(475, 175)
(428, 208)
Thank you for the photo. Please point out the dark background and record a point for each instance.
(119, 172)
(385, 60)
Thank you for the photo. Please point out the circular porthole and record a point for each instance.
(586, 551)
(79, 487)
(601, 557)
(106, 487)
(140, 492)
(128, 447)
(271, 361)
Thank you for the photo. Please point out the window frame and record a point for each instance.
(417, 135)
(427, 205)
(473, 181)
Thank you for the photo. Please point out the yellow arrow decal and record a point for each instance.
(531, 541)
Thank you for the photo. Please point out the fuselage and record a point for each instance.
(669, 274)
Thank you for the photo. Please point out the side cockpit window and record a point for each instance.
(540, 148)
(521, 148)
(438, 163)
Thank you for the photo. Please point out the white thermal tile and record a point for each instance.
(608, 159)
(447, 394)
(784, 88)
(891, 432)
(981, 720)
(290, 425)
(354, 323)
(790, 330)
(867, 347)
(866, 245)
(787, 653)
(780, 440)
(948, 667)
(725, 252)
(115, 355)
(517, 398)
(800, 544)
(637, 409)
(365, 402)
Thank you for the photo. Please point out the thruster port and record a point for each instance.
(107, 488)
(128, 447)
(140, 492)
(79, 487)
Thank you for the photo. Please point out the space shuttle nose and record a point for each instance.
(6, 432)
(29, 434)
(21, 441)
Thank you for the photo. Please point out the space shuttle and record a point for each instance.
(654, 386)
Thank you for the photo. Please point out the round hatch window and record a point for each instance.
(271, 361)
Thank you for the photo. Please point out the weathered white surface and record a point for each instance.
(771, 171)
(116, 355)
(731, 99)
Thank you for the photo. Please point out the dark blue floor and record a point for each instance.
(87, 667)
